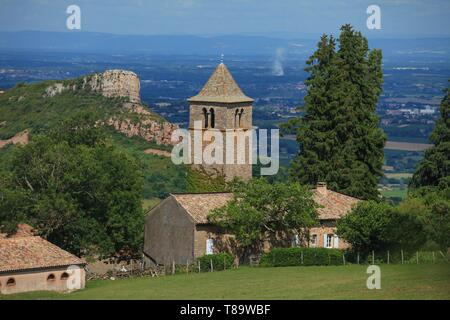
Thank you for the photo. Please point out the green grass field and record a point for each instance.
(397, 192)
(427, 281)
(400, 175)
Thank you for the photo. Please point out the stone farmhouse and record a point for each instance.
(30, 263)
(177, 230)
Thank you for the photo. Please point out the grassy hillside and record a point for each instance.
(425, 281)
(26, 107)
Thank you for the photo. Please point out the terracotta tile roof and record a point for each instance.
(33, 252)
(23, 230)
(334, 205)
(199, 205)
(222, 88)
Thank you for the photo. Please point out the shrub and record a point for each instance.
(283, 257)
(220, 261)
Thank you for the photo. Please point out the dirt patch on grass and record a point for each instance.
(20, 138)
(158, 152)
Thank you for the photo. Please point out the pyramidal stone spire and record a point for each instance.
(221, 88)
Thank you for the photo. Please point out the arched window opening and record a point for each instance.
(205, 116)
(213, 118)
(240, 117)
(11, 282)
(65, 276)
(51, 278)
(235, 117)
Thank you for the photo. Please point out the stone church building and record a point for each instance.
(177, 230)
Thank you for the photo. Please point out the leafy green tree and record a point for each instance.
(431, 181)
(434, 169)
(339, 138)
(379, 226)
(262, 211)
(436, 222)
(367, 226)
(438, 219)
(407, 230)
(78, 190)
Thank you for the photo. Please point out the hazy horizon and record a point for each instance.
(271, 18)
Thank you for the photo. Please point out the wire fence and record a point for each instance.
(396, 257)
(345, 258)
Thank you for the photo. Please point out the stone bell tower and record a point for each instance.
(222, 107)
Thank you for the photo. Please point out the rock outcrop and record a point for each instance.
(20, 138)
(116, 83)
(146, 126)
(124, 84)
(111, 84)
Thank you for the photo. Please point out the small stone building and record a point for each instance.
(30, 263)
(177, 230)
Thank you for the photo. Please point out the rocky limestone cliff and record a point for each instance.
(111, 84)
(135, 118)
(116, 83)
(144, 126)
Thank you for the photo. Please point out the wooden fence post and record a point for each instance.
(357, 257)
(373, 257)
(199, 268)
(434, 261)
(173, 266)
(343, 258)
(302, 257)
(402, 255)
(187, 266)
(388, 257)
(224, 263)
(417, 257)
(212, 268)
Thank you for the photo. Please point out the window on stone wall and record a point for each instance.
(65, 276)
(11, 282)
(213, 118)
(205, 116)
(236, 117)
(51, 277)
(295, 241)
(240, 117)
(209, 246)
(329, 241)
(313, 240)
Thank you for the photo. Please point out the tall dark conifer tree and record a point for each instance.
(340, 141)
(434, 170)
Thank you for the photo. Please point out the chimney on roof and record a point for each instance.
(322, 188)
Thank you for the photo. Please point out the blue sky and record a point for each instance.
(287, 18)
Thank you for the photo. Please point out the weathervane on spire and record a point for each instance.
(221, 58)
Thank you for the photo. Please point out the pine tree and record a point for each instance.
(434, 170)
(340, 141)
